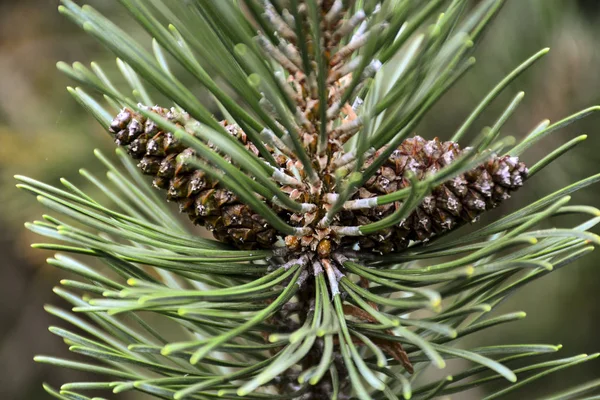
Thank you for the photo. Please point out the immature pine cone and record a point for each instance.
(451, 204)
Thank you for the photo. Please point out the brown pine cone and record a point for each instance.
(460, 200)
(206, 203)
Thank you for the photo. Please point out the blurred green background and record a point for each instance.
(46, 135)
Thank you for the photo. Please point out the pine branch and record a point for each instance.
(337, 269)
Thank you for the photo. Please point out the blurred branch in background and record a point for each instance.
(39, 121)
(40, 132)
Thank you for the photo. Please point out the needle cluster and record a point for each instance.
(341, 267)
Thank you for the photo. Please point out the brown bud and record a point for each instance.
(292, 243)
(324, 248)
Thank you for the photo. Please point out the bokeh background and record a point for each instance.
(46, 135)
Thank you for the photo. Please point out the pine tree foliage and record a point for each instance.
(337, 272)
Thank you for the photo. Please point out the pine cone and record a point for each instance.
(461, 200)
(451, 204)
(207, 204)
